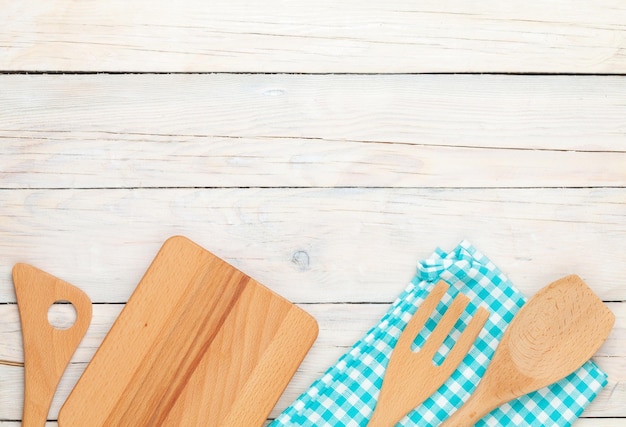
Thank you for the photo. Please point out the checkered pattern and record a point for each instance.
(346, 394)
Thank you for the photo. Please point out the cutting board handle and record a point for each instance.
(47, 349)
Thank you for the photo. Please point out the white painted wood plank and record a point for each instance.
(49, 160)
(340, 326)
(249, 130)
(322, 36)
(316, 245)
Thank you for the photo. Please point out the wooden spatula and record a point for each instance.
(199, 343)
(411, 377)
(552, 335)
(47, 350)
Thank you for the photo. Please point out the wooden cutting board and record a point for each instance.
(199, 343)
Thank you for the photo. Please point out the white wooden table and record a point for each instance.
(323, 148)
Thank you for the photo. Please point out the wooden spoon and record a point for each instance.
(47, 350)
(554, 334)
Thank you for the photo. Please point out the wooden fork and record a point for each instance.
(411, 377)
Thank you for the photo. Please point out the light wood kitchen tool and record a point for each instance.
(199, 343)
(47, 350)
(552, 335)
(411, 377)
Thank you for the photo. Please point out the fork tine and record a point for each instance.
(420, 317)
(445, 325)
(466, 340)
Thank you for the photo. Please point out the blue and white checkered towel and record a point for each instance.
(346, 394)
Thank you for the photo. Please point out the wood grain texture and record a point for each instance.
(340, 326)
(47, 349)
(323, 36)
(407, 368)
(130, 131)
(317, 245)
(116, 163)
(194, 326)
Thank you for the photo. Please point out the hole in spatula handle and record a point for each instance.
(62, 315)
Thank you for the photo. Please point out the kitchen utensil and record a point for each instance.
(47, 350)
(552, 335)
(411, 377)
(198, 343)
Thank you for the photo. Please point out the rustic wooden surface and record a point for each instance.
(322, 148)
(352, 36)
